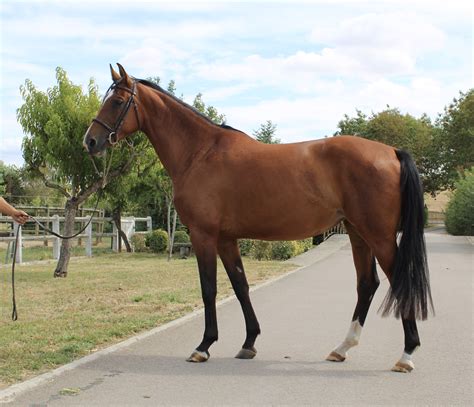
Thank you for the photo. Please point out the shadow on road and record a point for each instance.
(176, 366)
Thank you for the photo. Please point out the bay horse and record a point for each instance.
(229, 186)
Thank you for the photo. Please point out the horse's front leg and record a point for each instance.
(204, 246)
(230, 256)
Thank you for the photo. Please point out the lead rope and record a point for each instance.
(14, 312)
(99, 194)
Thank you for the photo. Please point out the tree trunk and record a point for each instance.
(117, 218)
(65, 254)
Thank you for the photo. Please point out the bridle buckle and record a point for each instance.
(112, 138)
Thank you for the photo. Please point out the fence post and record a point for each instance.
(89, 240)
(149, 226)
(115, 238)
(19, 254)
(56, 241)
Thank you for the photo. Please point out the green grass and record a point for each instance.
(103, 300)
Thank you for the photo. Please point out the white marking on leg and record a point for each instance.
(352, 339)
(405, 361)
(239, 269)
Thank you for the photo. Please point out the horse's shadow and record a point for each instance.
(161, 365)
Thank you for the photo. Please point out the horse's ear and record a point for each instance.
(115, 76)
(124, 76)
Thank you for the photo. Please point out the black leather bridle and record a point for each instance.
(112, 137)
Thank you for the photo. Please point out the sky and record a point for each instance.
(302, 65)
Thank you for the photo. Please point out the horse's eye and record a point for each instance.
(118, 102)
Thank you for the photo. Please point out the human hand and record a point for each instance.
(20, 216)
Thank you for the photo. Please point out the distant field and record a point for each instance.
(104, 300)
(439, 202)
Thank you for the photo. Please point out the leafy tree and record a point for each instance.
(38, 194)
(456, 125)
(11, 184)
(55, 122)
(210, 111)
(460, 210)
(353, 126)
(266, 133)
(121, 193)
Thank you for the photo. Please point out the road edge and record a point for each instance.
(315, 255)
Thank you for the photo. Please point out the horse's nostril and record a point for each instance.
(92, 142)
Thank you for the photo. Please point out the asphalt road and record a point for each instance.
(303, 317)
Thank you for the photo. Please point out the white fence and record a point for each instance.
(128, 225)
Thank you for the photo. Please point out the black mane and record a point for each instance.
(182, 103)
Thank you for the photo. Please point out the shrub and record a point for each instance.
(245, 246)
(283, 250)
(306, 244)
(157, 240)
(261, 250)
(460, 210)
(180, 236)
(138, 243)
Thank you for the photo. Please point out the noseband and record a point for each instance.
(112, 137)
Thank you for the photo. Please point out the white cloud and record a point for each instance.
(297, 119)
(394, 30)
(225, 92)
(382, 43)
(421, 95)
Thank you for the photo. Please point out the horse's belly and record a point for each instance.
(287, 222)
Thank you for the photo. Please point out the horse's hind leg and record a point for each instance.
(386, 257)
(229, 253)
(367, 283)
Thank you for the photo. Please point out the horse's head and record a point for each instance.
(118, 116)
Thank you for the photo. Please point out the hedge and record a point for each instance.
(460, 210)
(157, 240)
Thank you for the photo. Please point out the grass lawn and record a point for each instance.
(104, 300)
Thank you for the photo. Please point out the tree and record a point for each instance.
(266, 133)
(11, 184)
(209, 111)
(353, 126)
(55, 123)
(121, 193)
(456, 125)
(460, 210)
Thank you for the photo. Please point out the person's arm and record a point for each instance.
(19, 216)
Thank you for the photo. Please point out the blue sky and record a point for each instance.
(300, 64)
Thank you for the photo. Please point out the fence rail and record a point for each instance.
(128, 225)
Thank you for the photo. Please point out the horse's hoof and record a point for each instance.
(403, 367)
(246, 353)
(198, 357)
(335, 357)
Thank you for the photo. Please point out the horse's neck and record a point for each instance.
(178, 134)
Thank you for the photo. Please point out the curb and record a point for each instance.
(316, 254)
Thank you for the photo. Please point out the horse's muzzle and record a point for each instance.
(94, 146)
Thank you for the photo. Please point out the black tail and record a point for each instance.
(410, 295)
